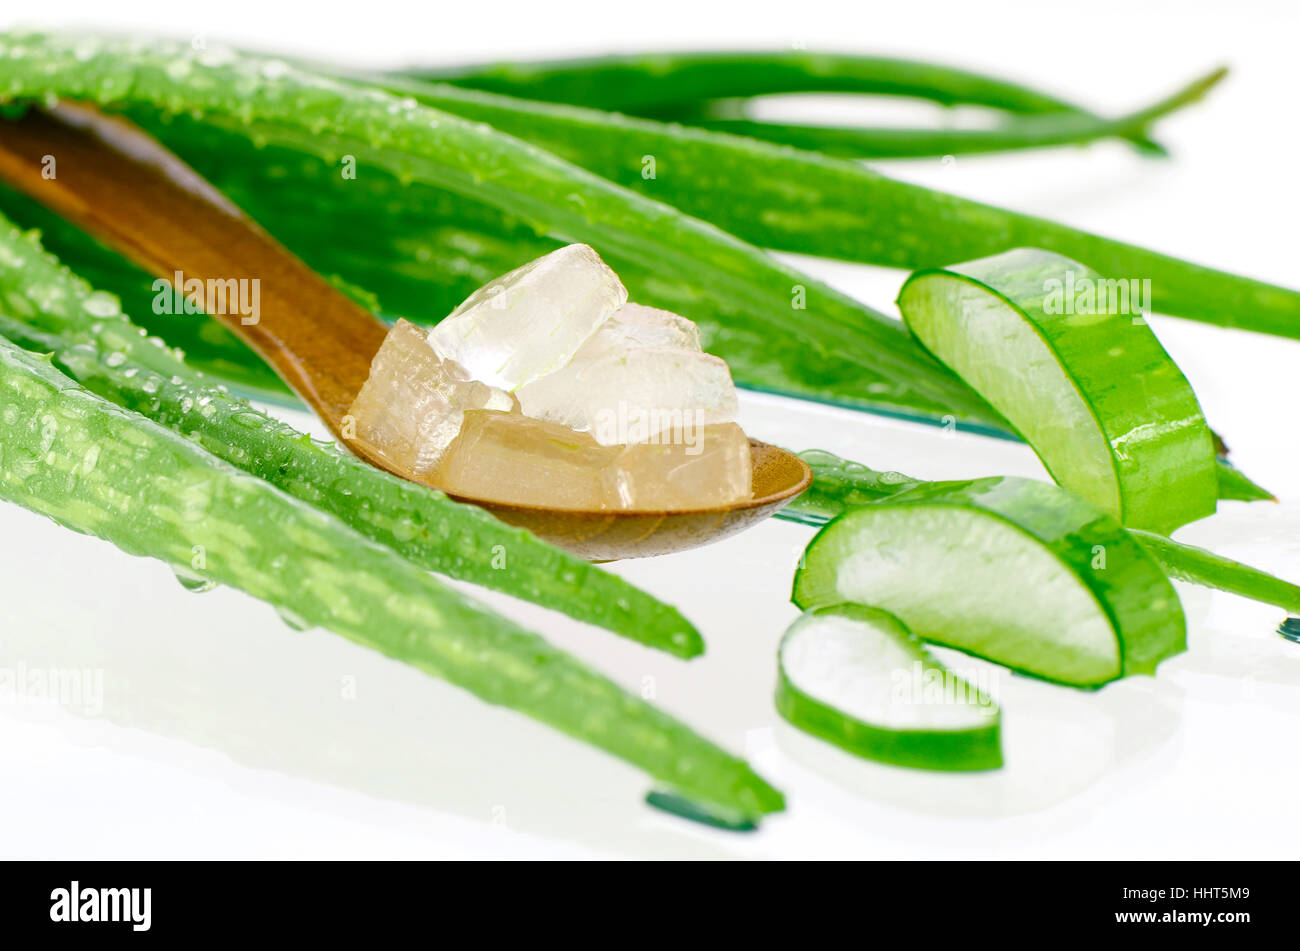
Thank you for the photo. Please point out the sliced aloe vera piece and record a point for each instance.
(841, 484)
(1017, 571)
(1068, 359)
(856, 676)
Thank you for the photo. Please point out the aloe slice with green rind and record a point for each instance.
(1020, 572)
(1086, 384)
(857, 677)
(840, 485)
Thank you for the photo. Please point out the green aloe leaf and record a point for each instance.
(99, 469)
(439, 237)
(433, 250)
(45, 307)
(806, 202)
(746, 297)
(679, 85)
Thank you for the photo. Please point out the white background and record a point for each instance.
(223, 733)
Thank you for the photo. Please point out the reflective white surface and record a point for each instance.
(224, 733)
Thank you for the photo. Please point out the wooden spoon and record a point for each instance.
(120, 185)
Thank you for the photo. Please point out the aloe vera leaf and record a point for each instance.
(790, 200)
(1235, 486)
(670, 84)
(208, 345)
(910, 142)
(1030, 132)
(746, 293)
(841, 484)
(433, 251)
(100, 469)
(865, 365)
(44, 306)
(1198, 566)
(824, 358)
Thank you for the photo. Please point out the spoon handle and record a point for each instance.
(123, 187)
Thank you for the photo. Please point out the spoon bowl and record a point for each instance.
(125, 188)
(779, 476)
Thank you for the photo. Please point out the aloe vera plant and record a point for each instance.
(463, 200)
(679, 86)
(435, 251)
(746, 295)
(97, 468)
(738, 295)
(811, 203)
(44, 306)
(1032, 132)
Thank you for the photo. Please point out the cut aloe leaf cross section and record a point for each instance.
(841, 484)
(1067, 358)
(857, 677)
(1021, 572)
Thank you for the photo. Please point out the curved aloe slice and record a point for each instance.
(840, 485)
(1082, 378)
(1018, 571)
(856, 676)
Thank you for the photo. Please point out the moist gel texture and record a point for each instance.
(1018, 571)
